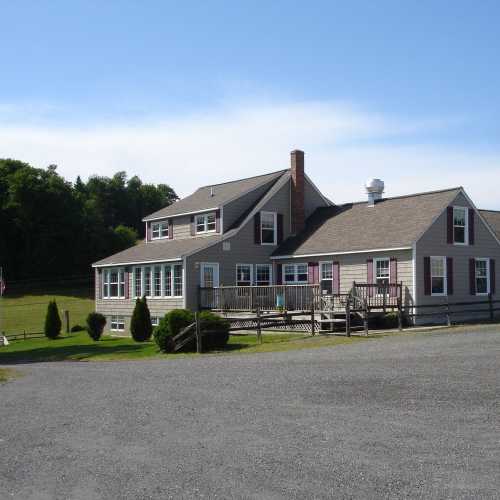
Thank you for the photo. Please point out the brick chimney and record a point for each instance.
(297, 201)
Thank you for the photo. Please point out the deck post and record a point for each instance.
(313, 323)
(259, 331)
(198, 333)
(348, 318)
(365, 320)
(400, 315)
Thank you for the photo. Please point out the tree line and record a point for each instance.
(50, 227)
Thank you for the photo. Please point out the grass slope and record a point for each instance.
(79, 347)
(6, 374)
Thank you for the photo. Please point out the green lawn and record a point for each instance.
(6, 374)
(79, 347)
(27, 312)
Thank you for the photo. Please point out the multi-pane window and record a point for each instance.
(155, 320)
(262, 274)
(295, 273)
(326, 271)
(243, 274)
(177, 280)
(159, 230)
(138, 282)
(460, 217)
(482, 276)
(205, 223)
(167, 280)
(117, 323)
(438, 276)
(113, 284)
(157, 281)
(147, 281)
(382, 274)
(268, 228)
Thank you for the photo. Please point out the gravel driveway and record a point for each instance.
(406, 416)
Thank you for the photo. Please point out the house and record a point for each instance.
(279, 228)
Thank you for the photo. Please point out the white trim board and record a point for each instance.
(119, 264)
(277, 257)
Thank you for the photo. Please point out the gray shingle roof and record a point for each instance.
(202, 199)
(391, 223)
(493, 219)
(159, 250)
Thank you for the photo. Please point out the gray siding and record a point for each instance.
(182, 227)
(434, 243)
(312, 199)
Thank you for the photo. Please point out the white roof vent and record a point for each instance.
(374, 188)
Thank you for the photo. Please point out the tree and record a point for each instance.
(53, 324)
(140, 324)
(95, 325)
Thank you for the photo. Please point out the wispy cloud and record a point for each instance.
(344, 146)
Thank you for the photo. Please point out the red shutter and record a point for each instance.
(336, 278)
(472, 276)
(316, 274)
(369, 276)
(427, 275)
(217, 221)
(127, 281)
(279, 223)
(312, 269)
(193, 232)
(493, 285)
(279, 274)
(449, 225)
(98, 283)
(170, 229)
(256, 234)
(393, 277)
(449, 275)
(471, 226)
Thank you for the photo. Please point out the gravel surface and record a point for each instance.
(413, 416)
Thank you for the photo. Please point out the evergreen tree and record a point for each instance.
(140, 324)
(53, 324)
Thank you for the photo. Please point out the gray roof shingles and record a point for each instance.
(391, 223)
(202, 198)
(493, 219)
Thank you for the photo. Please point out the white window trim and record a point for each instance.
(119, 320)
(251, 273)
(275, 223)
(378, 259)
(120, 271)
(445, 276)
(466, 227)
(296, 274)
(162, 267)
(134, 277)
(202, 265)
(161, 225)
(205, 223)
(321, 264)
(488, 284)
(270, 267)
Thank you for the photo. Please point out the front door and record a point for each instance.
(209, 275)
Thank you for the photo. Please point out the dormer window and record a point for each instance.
(159, 230)
(268, 232)
(460, 225)
(205, 223)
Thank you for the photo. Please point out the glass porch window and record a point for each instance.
(263, 274)
(178, 280)
(382, 275)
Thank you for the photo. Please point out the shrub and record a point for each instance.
(215, 330)
(52, 327)
(95, 325)
(170, 325)
(140, 324)
(77, 328)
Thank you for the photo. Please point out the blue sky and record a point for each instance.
(215, 90)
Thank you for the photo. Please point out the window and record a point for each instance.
(155, 320)
(113, 284)
(382, 274)
(438, 276)
(205, 223)
(167, 281)
(157, 281)
(117, 323)
(326, 271)
(159, 230)
(268, 228)
(147, 281)
(262, 274)
(296, 273)
(138, 282)
(243, 274)
(460, 222)
(482, 276)
(177, 280)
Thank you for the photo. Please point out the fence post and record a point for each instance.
(490, 304)
(448, 312)
(259, 331)
(400, 316)
(348, 318)
(66, 320)
(313, 323)
(198, 332)
(365, 320)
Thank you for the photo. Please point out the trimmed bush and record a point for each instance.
(77, 328)
(170, 325)
(95, 325)
(215, 330)
(52, 327)
(140, 324)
